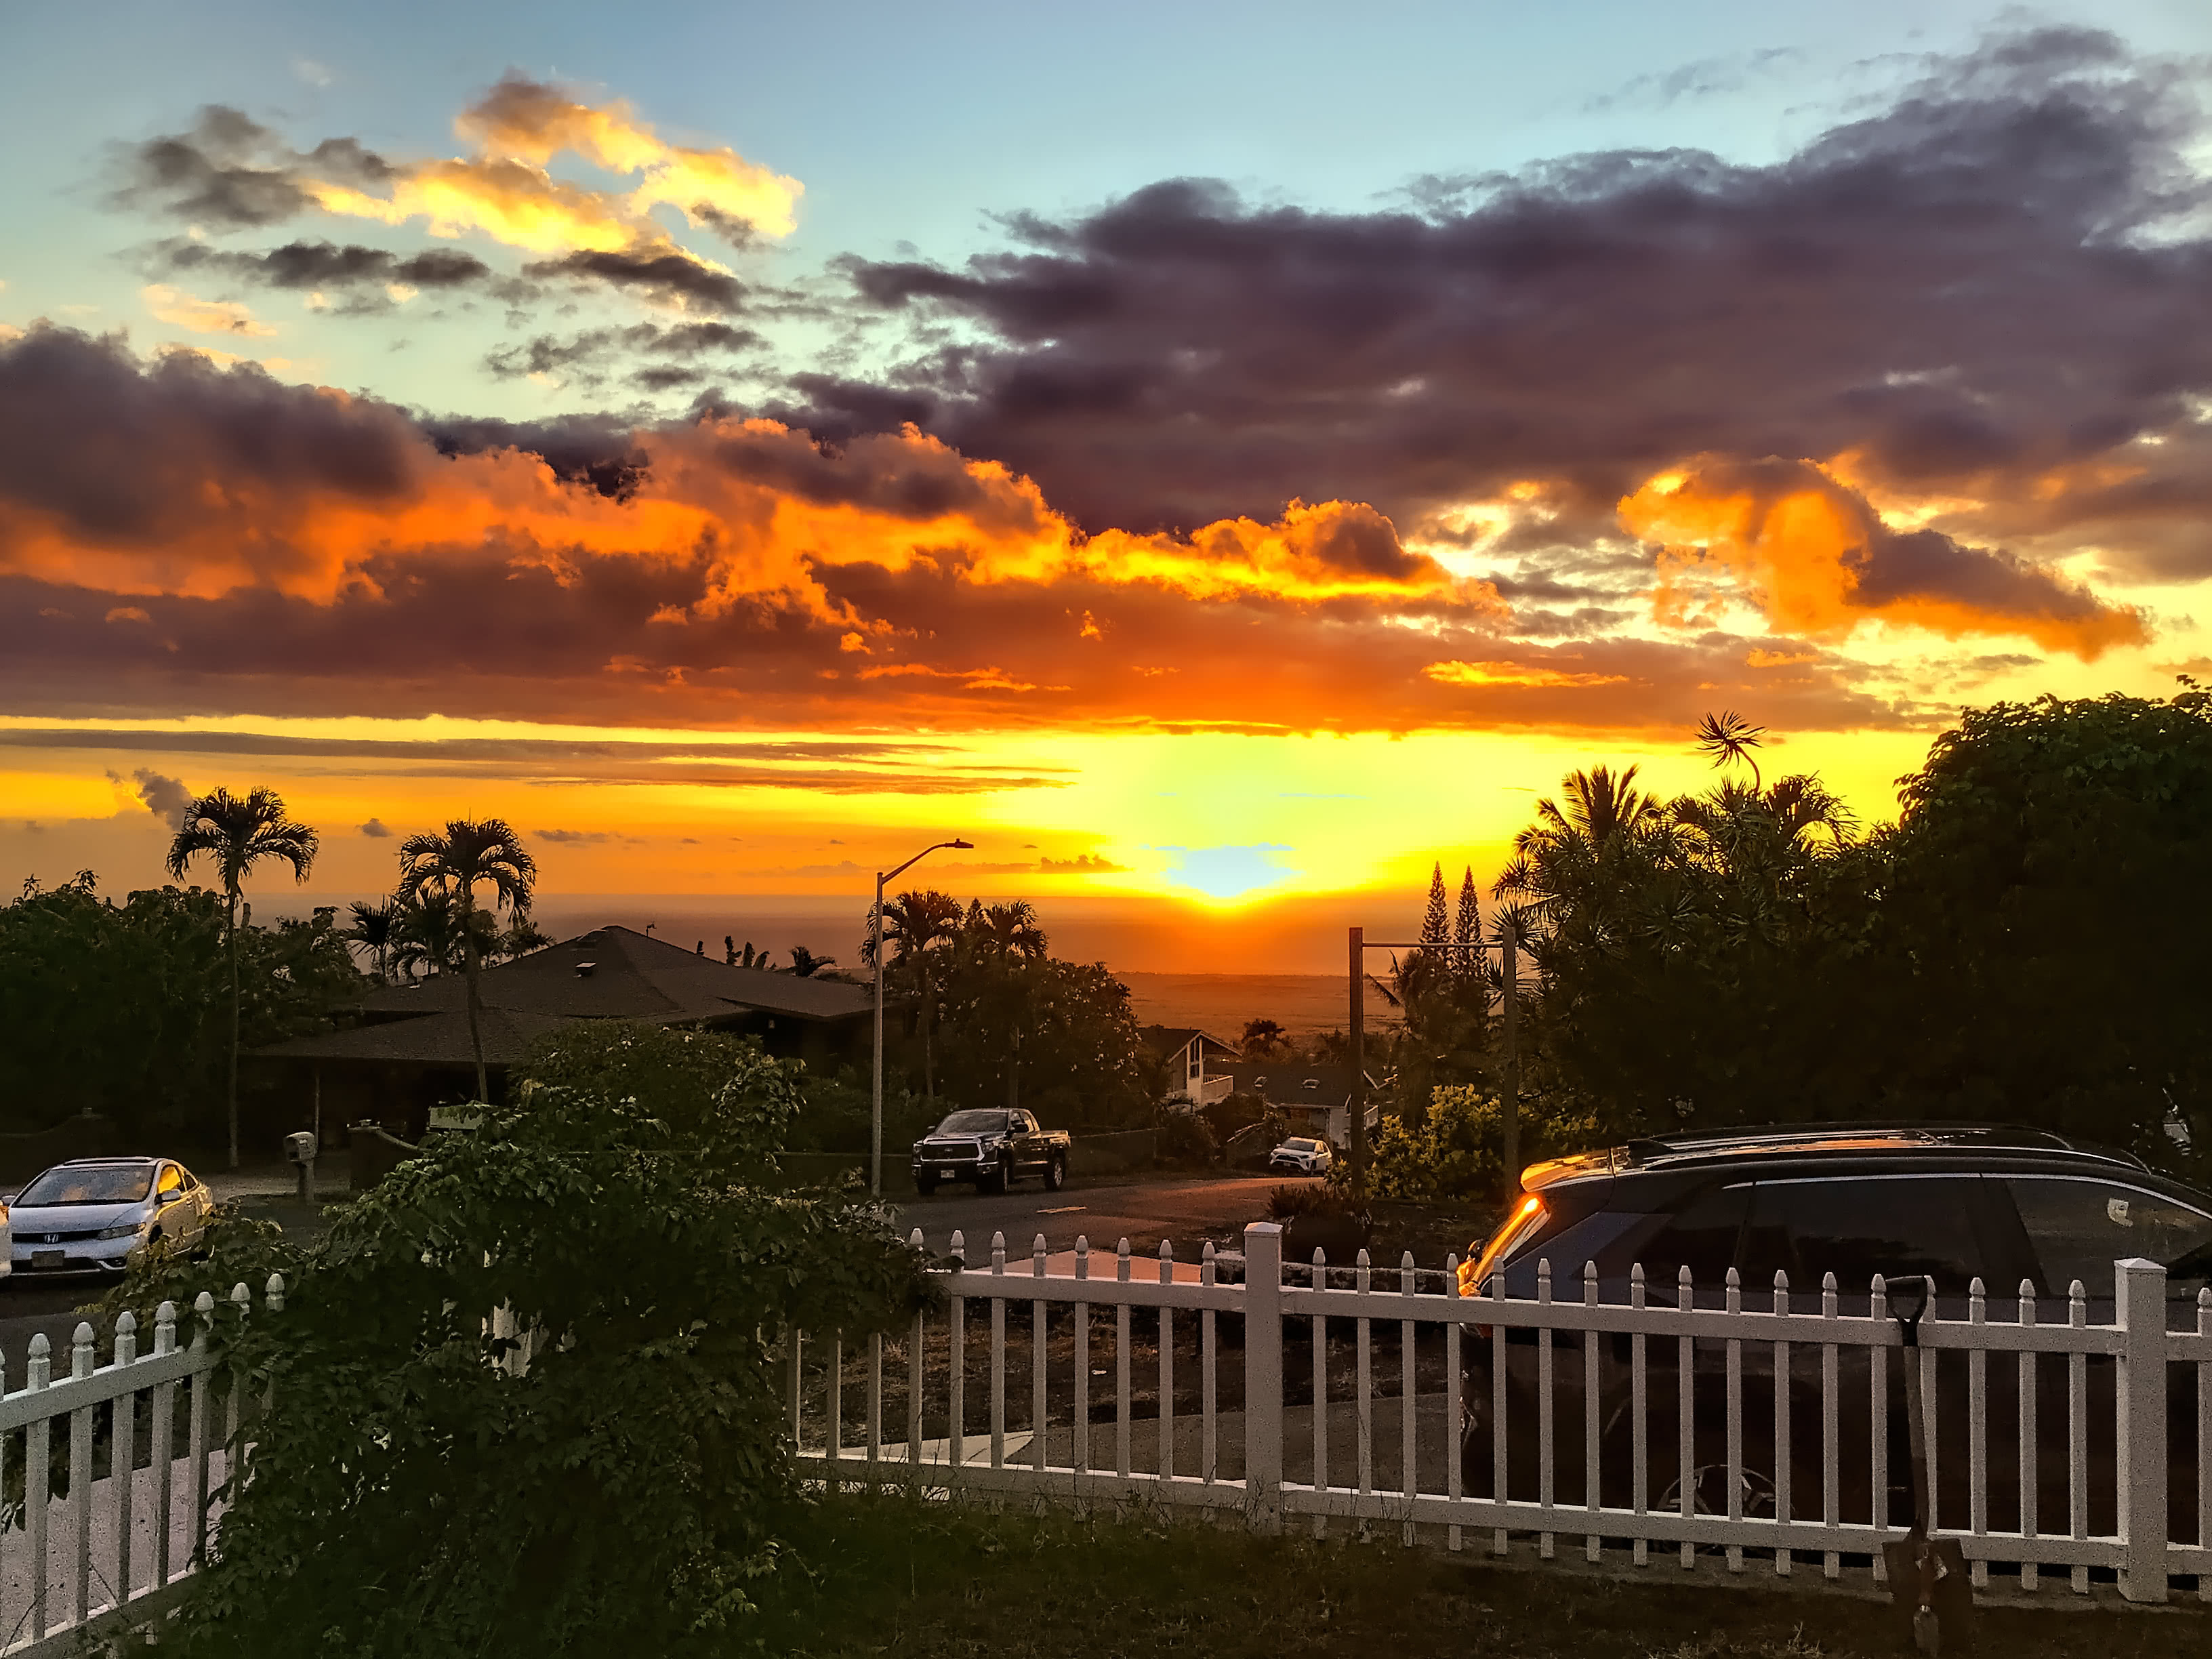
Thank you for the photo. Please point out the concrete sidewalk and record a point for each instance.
(16, 1559)
(1434, 1444)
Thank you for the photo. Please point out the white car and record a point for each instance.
(89, 1216)
(1302, 1155)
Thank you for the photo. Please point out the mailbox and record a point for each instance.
(299, 1147)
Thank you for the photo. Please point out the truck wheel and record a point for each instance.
(1055, 1174)
(926, 1186)
(997, 1181)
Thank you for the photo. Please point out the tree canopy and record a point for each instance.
(123, 1009)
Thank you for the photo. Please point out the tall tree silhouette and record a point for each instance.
(376, 929)
(239, 832)
(1435, 920)
(1728, 738)
(470, 852)
(1466, 931)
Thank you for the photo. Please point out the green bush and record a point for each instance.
(411, 1495)
(1458, 1153)
(1186, 1138)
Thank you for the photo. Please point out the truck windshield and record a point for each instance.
(973, 1123)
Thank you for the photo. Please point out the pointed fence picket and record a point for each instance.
(108, 1530)
(1743, 1429)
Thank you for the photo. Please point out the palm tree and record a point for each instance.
(1014, 930)
(1574, 862)
(238, 834)
(429, 933)
(468, 853)
(376, 929)
(916, 923)
(806, 964)
(1728, 738)
(522, 937)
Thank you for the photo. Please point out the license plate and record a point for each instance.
(945, 1174)
(49, 1259)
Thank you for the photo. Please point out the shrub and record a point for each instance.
(412, 1495)
(1287, 1203)
(1233, 1112)
(1186, 1138)
(1458, 1152)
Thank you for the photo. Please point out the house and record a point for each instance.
(1196, 1064)
(1314, 1099)
(405, 1048)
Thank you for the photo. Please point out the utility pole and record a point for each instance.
(1508, 948)
(1510, 953)
(1358, 1062)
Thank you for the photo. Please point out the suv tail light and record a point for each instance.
(1526, 1217)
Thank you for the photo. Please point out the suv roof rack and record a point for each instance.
(1862, 1136)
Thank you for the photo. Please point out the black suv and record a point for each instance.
(2024, 1211)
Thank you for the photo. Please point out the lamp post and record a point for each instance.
(876, 955)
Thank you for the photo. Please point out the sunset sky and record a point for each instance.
(1219, 459)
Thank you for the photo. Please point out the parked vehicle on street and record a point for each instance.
(991, 1149)
(93, 1214)
(1303, 1155)
(1787, 1217)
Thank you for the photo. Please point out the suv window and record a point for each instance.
(1856, 1227)
(2080, 1228)
(1701, 1236)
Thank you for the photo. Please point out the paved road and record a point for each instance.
(1186, 1211)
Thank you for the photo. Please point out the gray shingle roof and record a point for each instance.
(633, 977)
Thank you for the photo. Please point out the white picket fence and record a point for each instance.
(131, 1525)
(2132, 1501)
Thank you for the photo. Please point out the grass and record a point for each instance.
(889, 1576)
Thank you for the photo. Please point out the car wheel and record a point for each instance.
(1056, 1175)
(997, 1181)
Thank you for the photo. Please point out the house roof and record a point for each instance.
(435, 1039)
(618, 973)
(610, 973)
(1292, 1082)
(1174, 1039)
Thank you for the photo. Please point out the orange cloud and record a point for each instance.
(184, 310)
(1816, 558)
(1513, 673)
(505, 191)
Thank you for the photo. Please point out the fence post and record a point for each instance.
(2141, 1314)
(1263, 1375)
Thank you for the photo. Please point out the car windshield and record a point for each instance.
(973, 1123)
(88, 1183)
(1299, 1146)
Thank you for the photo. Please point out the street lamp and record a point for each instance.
(876, 955)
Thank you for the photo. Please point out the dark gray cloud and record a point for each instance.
(115, 451)
(1994, 277)
(305, 264)
(667, 274)
(165, 797)
(376, 830)
(228, 171)
(595, 357)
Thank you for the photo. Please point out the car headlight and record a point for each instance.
(123, 1230)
